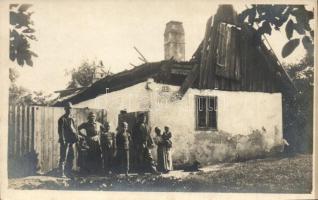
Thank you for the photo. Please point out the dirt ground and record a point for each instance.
(270, 175)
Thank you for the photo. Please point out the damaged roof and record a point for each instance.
(248, 66)
(168, 72)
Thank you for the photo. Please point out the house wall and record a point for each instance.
(249, 123)
(134, 98)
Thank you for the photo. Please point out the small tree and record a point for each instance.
(84, 74)
(21, 34)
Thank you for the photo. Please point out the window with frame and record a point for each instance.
(206, 112)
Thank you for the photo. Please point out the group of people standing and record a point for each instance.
(100, 149)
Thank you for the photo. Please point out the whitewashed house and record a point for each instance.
(222, 105)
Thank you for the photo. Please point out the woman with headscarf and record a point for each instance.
(166, 137)
(160, 150)
(93, 131)
(164, 150)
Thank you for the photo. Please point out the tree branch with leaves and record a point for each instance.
(297, 18)
(21, 34)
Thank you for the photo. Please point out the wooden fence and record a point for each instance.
(33, 137)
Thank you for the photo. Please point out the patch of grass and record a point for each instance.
(278, 175)
(271, 175)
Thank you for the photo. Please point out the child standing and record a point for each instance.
(123, 141)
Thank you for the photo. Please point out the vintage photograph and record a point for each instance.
(161, 96)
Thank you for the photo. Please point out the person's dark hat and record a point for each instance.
(107, 123)
(68, 105)
(91, 114)
(157, 129)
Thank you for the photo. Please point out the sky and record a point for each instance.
(70, 32)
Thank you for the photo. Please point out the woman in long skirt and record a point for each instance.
(163, 152)
(160, 150)
(166, 137)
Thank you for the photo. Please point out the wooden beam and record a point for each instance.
(189, 80)
(197, 54)
(285, 77)
(180, 71)
(210, 63)
(143, 60)
(141, 55)
(132, 65)
(204, 51)
(69, 90)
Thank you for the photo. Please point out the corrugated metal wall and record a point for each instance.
(33, 137)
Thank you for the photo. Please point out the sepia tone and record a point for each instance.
(228, 118)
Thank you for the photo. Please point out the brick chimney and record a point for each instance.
(174, 41)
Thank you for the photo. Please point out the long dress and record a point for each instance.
(160, 153)
(93, 132)
(123, 141)
(166, 136)
(164, 158)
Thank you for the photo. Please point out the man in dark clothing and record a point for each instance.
(108, 145)
(67, 138)
(123, 140)
(143, 144)
(93, 131)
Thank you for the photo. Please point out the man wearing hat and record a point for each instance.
(93, 131)
(67, 138)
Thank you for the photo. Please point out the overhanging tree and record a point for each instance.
(21, 34)
(265, 18)
(298, 108)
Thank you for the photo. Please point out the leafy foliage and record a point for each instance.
(21, 34)
(290, 47)
(22, 96)
(298, 109)
(296, 18)
(19, 95)
(84, 74)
